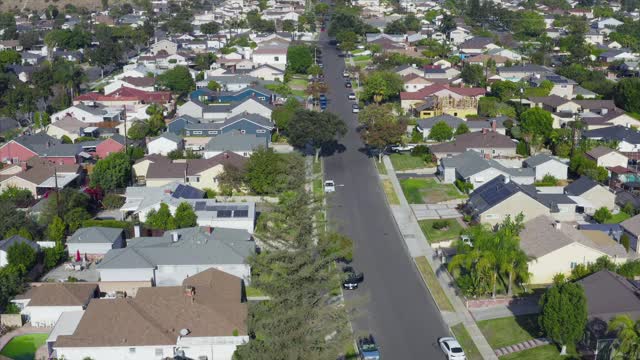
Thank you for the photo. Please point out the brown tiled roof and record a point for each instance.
(60, 294)
(157, 314)
(39, 170)
(552, 100)
(160, 170)
(599, 151)
(140, 81)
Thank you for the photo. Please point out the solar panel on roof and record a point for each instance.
(200, 205)
(224, 213)
(241, 213)
(187, 192)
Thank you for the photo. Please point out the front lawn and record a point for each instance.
(402, 162)
(618, 218)
(510, 330)
(465, 340)
(451, 232)
(24, 347)
(428, 191)
(362, 58)
(547, 352)
(299, 83)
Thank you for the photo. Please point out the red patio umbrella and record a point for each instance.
(78, 258)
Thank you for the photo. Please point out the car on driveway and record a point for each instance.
(401, 148)
(352, 278)
(368, 348)
(451, 348)
(352, 96)
(355, 108)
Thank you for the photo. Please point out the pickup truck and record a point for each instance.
(368, 348)
(401, 148)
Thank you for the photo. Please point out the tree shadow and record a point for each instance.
(332, 148)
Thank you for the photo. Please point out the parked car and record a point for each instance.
(355, 108)
(368, 348)
(451, 348)
(352, 278)
(352, 96)
(347, 84)
(401, 148)
(345, 74)
(329, 186)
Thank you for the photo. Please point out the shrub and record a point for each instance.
(464, 186)
(440, 224)
(547, 180)
(12, 309)
(602, 215)
(113, 201)
(119, 224)
(420, 150)
(625, 241)
(210, 193)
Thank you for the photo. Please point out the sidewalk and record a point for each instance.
(418, 246)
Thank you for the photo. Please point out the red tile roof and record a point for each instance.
(128, 94)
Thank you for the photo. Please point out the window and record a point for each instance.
(212, 132)
(132, 350)
(262, 98)
(573, 264)
(493, 151)
(197, 132)
(159, 352)
(261, 131)
(276, 58)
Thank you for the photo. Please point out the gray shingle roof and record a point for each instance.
(95, 235)
(194, 247)
(580, 186)
(539, 159)
(17, 239)
(236, 142)
(632, 225)
(609, 294)
(471, 162)
(619, 133)
(452, 121)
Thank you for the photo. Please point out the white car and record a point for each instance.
(345, 74)
(451, 348)
(355, 108)
(400, 148)
(352, 96)
(329, 186)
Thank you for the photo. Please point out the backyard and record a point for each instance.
(403, 162)
(433, 235)
(428, 191)
(24, 347)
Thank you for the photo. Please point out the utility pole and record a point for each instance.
(55, 181)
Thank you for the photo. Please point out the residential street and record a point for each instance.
(393, 303)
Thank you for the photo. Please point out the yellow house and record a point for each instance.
(200, 173)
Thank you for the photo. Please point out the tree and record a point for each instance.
(210, 28)
(536, 121)
(381, 86)
(374, 113)
(563, 314)
(204, 61)
(231, 179)
(441, 132)
(185, 217)
(462, 129)
(161, 219)
(75, 217)
(315, 129)
(473, 74)
(18, 196)
(288, 26)
(625, 241)
(299, 58)
(56, 230)
(66, 139)
(269, 173)
(9, 57)
(530, 24)
(282, 115)
(22, 255)
(177, 79)
(447, 24)
(602, 215)
(347, 40)
(381, 127)
(627, 94)
(628, 336)
(214, 85)
(112, 172)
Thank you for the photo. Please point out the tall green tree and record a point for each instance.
(112, 172)
(628, 336)
(317, 129)
(184, 216)
(299, 58)
(441, 132)
(473, 74)
(563, 315)
(178, 80)
(161, 218)
(56, 230)
(627, 94)
(382, 128)
(269, 173)
(381, 86)
(21, 255)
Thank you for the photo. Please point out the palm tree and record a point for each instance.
(628, 337)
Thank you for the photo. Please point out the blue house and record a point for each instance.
(207, 96)
(178, 124)
(244, 123)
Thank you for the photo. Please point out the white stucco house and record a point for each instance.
(607, 157)
(93, 242)
(164, 144)
(543, 165)
(169, 259)
(42, 305)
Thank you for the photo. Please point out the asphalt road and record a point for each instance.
(393, 303)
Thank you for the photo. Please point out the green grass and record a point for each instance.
(402, 162)
(433, 235)
(24, 347)
(302, 83)
(618, 218)
(298, 93)
(317, 167)
(317, 187)
(392, 197)
(361, 58)
(429, 191)
(547, 352)
(510, 330)
(382, 170)
(463, 337)
(435, 289)
(251, 292)
(350, 352)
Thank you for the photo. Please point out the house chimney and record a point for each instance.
(190, 292)
(136, 231)
(494, 125)
(507, 180)
(174, 237)
(604, 111)
(557, 225)
(167, 191)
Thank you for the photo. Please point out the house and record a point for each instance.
(459, 35)
(67, 126)
(484, 59)
(631, 228)
(6, 244)
(267, 72)
(425, 125)
(544, 165)
(202, 317)
(519, 72)
(146, 83)
(594, 37)
(562, 86)
(499, 198)
(93, 242)
(274, 55)
(125, 96)
(442, 99)
(488, 143)
(40, 176)
(608, 23)
(476, 45)
(607, 157)
(473, 168)
(254, 92)
(414, 82)
(141, 200)
(556, 248)
(105, 146)
(507, 53)
(169, 259)
(167, 46)
(90, 113)
(164, 144)
(229, 82)
(221, 111)
(239, 143)
(199, 173)
(439, 73)
(42, 305)
(617, 54)
(628, 139)
(25, 147)
(250, 124)
(592, 195)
